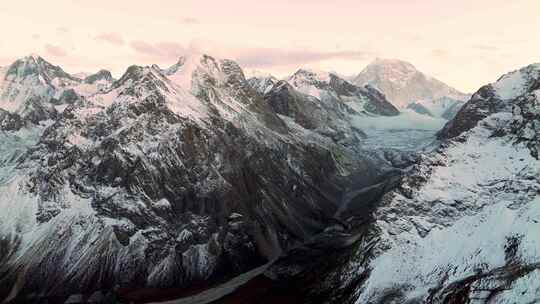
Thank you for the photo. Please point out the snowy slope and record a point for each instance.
(482, 194)
(139, 83)
(33, 90)
(493, 98)
(24, 79)
(443, 107)
(517, 83)
(328, 86)
(262, 83)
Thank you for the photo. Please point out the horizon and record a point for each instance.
(464, 45)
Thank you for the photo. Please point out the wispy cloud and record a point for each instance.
(439, 53)
(160, 51)
(246, 57)
(484, 47)
(112, 38)
(266, 57)
(55, 51)
(189, 20)
(63, 30)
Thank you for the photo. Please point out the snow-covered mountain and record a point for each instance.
(328, 86)
(324, 102)
(403, 84)
(261, 82)
(32, 90)
(182, 178)
(162, 178)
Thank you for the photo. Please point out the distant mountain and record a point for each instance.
(33, 90)
(323, 85)
(403, 84)
(323, 102)
(31, 78)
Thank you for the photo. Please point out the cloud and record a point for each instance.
(266, 57)
(63, 30)
(189, 20)
(54, 50)
(439, 53)
(484, 47)
(247, 57)
(159, 51)
(112, 38)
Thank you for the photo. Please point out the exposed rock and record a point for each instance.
(169, 178)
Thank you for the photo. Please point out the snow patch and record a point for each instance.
(407, 119)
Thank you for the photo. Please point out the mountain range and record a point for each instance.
(193, 184)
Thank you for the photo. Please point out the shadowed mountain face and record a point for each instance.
(167, 178)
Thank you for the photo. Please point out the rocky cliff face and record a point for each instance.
(165, 178)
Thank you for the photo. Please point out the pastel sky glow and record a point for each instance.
(462, 42)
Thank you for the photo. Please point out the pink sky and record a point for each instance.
(464, 43)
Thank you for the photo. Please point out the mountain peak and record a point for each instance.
(259, 74)
(34, 64)
(100, 75)
(309, 76)
(392, 68)
(195, 69)
(186, 62)
(33, 56)
(402, 83)
(135, 73)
